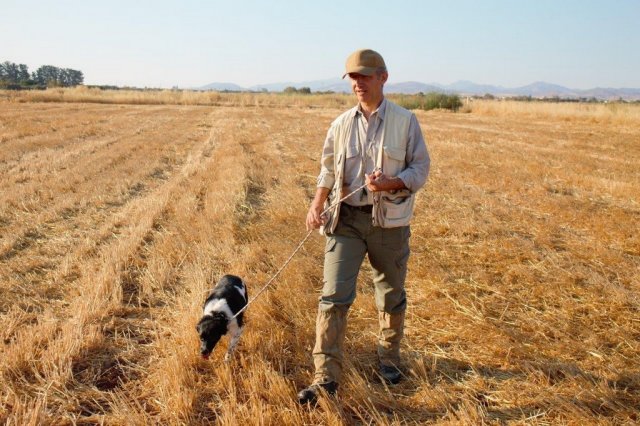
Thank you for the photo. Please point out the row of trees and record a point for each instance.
(16, 76)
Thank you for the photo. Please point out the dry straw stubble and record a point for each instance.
(115, 219)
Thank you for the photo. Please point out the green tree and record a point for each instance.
(47, 75)
(9, 72)
(23, 74)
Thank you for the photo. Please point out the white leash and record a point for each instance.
(295, 251)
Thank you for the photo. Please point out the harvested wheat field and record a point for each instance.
(115, 220)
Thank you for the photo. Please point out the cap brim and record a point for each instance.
(368, 71)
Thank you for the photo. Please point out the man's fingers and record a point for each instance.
(314, 220)
(376, 181)
(372, 184)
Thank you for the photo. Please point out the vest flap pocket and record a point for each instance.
(397, 196)
(397, 212)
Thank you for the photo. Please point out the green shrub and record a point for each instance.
(432, 100)
(290, 90)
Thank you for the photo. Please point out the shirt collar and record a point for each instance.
(380, 111)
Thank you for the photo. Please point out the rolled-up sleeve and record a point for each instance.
(417, 158)
(326, 178)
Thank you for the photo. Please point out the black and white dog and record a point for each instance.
(226, 299)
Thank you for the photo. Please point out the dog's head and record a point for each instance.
(211, 328)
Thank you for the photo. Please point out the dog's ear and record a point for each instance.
(200, 326)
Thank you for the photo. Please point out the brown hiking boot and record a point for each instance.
(310, 394)
(390, 374)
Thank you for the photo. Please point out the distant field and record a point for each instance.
(116, 217)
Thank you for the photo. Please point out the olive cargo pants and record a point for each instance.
(388, 252)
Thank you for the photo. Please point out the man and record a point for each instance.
(377, 150)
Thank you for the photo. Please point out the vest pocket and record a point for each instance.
(393, 160)
(396, 209)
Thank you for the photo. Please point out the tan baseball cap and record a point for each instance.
(364, 61)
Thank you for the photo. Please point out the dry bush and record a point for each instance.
(115, 220)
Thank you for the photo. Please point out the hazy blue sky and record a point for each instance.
(579, 44)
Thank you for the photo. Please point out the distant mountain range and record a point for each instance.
(538, 89)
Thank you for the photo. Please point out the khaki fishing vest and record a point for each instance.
(390, 209)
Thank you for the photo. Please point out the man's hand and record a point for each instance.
(314, 220)
(378, 181)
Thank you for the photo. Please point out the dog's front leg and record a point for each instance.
(232, 344)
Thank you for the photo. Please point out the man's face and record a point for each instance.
(368, 89)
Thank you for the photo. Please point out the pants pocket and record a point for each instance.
(330, 245)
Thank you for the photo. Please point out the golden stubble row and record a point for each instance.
(522, 288)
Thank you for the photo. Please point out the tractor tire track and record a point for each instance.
(128, 333)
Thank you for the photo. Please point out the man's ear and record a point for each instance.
(384, 76)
